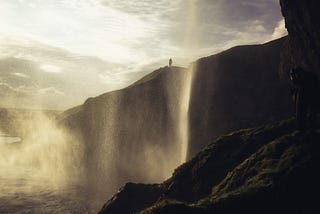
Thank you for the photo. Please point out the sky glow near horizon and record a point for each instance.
(80, 48)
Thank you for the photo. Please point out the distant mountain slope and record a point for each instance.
(235, 89)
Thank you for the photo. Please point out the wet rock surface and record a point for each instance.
(303, 45)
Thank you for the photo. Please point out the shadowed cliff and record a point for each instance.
(132, 134)
(235, 89)
(152, 125)
(303, 45)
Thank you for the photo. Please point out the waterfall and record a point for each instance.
(137, 134)
(183, 122)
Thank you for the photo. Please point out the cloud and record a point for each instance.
(50, 90)
(129, 31)
(32, 68)
(50, 68)
(22, 75)
(280, 30)
(85, 47)
(8, 90)
(82, 26)
(145, 8)
(191, 29)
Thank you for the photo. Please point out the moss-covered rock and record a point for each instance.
(281, 177)
(194, 179)
(221, 166)
(173, 207)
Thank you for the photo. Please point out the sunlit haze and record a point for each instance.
(56, 53)
(105, 99)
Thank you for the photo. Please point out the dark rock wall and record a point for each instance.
(235, 89)
(303, 45)
(132, 198)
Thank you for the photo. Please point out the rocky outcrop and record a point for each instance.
(303, 45)
(269, 169)
(195, 179)
(280, 178)
(132, 198)
(235, 89)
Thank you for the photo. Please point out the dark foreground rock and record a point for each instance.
(270, 169)
(132, 198)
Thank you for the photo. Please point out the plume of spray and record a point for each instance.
(47, 155)
(99, 128)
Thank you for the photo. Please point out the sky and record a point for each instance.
(54, 54)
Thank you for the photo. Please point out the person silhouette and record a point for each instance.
(170, 62)
(305, 94)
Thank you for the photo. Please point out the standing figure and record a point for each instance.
(170, 62)
(306, 97)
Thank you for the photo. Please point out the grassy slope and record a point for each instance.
(269, 169)
(280, 177)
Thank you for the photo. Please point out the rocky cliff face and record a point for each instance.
(132, 134)
(303, 45)
(140, 133)
(237, 88)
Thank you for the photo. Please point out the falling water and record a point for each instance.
(191, 45)
(183, 123)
